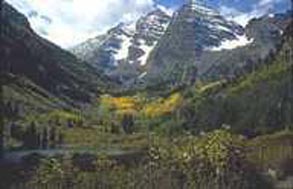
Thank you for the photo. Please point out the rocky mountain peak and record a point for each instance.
(126, 43)
(194, 28)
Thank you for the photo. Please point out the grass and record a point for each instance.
(95, 138)
(271, 150)
(211, 86)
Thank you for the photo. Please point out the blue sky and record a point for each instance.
(241, 5)
(69, 22)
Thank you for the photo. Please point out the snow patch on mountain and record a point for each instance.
(142, 75)
(167, 11)
(240, 41)
(147, 50)
(122, 52)
(129, 43)
(271, 15)
(223, 27)
(202, 9)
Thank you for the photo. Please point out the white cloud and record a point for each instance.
(268, 2)
(261, 8)
(73, 21)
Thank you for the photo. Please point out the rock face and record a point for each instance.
(193, 29)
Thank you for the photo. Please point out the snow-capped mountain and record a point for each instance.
(195, 28)
(128, 43)
(207, 25)
(125, 50)
(164, 49)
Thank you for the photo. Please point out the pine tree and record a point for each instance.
(45, 138)
(2, 111)
(57, 122)
(31, 137)
(39, 140)
(52, 137)
(127, 123)
(70, 123)
(60, 139)
(1, 140)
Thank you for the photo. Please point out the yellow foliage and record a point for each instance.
(135, 105)
(163, 106)
(121, 105)
(211, 86)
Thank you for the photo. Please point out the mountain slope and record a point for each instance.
(259, 102)
(46, 67)
(266, 33)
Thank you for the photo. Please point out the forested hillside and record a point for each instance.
(35, 67)
(260, 101)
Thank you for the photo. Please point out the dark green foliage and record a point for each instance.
(45, 141)
(70, 123)
(127, 123)
(31, 137)
(60, 140)
(1, 139)
(262, 107)
(52, 137)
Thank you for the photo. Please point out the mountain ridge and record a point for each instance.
(126, 42)
(44, 65)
